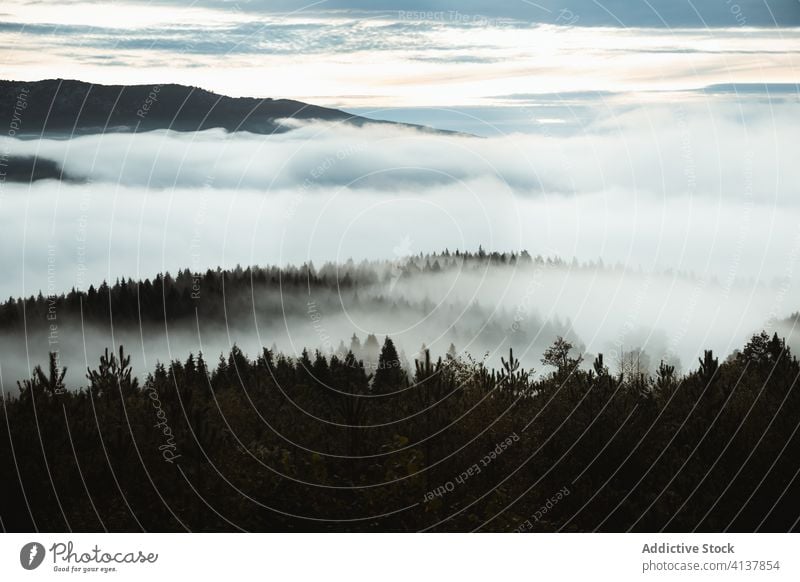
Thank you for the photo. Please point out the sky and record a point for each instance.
(475, 63)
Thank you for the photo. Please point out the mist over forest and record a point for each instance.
(642, 187)
(640, 241)
(478, 303)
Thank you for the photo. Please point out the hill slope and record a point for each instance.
(57, 106)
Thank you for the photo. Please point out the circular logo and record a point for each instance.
(31, 555)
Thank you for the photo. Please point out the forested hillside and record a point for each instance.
(320, 443)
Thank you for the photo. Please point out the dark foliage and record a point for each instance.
(213, 294)
(318, 443)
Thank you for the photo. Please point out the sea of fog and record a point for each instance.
(691, 217)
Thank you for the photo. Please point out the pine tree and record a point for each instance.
(113, 377)
(41, 384)
(389, 377)
(708, 367)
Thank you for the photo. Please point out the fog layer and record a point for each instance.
(655, 190)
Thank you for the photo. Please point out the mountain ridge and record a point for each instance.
(78, 108)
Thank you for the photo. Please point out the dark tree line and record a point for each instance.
(319, 443)
(168, 297)
(217, 295)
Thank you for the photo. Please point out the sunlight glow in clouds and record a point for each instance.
(117, 15)
(376, 60)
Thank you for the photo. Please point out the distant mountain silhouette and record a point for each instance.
(26, 169)
(58, 106)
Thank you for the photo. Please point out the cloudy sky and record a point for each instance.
(476, 62)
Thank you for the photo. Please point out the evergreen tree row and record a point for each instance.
(321, 443)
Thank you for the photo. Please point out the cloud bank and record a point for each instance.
(657, 188)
